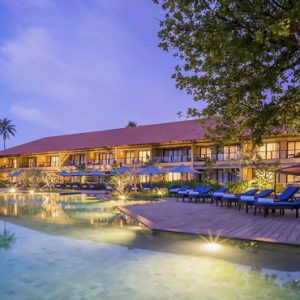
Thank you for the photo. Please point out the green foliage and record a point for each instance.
(256, 183)
(39, 179)
(120, 183)
(192, 183)
(242, 58)
(7, 129)
(208, 169)
(155, 193)
(4, 183)
(131, 124)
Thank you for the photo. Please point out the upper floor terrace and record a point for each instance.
(195, 153)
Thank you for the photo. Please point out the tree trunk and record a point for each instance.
(4, 143)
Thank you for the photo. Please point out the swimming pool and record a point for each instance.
(75, 247)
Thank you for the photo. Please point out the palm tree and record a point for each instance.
(131, 124)
(7, 129)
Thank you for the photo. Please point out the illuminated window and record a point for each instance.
(205, 152)
(173, 176)
(77, 159)
(54, 161)
(144, 156)
(14, 163)
(269, 151)
(129, 157)
(293, 149)
(31, 162)
(293, 179)
(228, 152)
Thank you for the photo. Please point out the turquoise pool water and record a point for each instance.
(74, 247)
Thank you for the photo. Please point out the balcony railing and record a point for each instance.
(278, 154)
(218, 156)
(103, 162)
(171, 159)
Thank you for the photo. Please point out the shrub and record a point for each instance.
(256, 183)
(154, 193)
(4, 183)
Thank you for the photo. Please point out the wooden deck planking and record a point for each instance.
(205, 219)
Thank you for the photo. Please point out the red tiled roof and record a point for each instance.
(147, 134)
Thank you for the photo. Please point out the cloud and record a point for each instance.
(32, 115)
(33, 66)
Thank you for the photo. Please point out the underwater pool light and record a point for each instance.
(212, 247)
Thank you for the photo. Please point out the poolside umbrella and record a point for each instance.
(151, 170)
(78, 173)
(64, 173)
(15, 174)
(122, 170)
(97, 173)
(183, 169)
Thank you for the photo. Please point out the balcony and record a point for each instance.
(171, 159)
(278, 154)
(26, 166)
(218, 157)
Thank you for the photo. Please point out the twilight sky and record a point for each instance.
(71, 66)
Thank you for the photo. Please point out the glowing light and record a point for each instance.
(212, 247)
(31, 192)
(12, 190)
(123, 198)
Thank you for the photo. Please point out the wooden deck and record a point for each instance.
(205, 219)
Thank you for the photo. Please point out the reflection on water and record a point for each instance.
(149, 266)
(7, 238)
(79, 209)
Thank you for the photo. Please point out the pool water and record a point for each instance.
(75, 247)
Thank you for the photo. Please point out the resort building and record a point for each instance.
(166, 145)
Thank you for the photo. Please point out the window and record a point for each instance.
(172, 155)
(54, 161)
(173, 176)
(228, 152)
(31, 162)
(205, 152)
(14, 163)
(106, 158)
(293, 149)
(144, 155)
(103, 158)
(77, 159)
(225, 176)
(269, 151)
(129, 157)
(293, 179)
(189, 154)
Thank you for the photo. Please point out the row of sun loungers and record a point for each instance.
(252, 198)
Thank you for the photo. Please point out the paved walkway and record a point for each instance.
(205, 219)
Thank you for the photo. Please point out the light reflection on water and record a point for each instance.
(97, 265)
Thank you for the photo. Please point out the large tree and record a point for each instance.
(7, 129)
(241, 58)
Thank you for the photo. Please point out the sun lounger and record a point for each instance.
(201, 194)
(283, 201)
(217, 193)
(232, 198)
(186, 192)
(247, 201)
(183, 188)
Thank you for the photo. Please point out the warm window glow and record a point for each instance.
(144, 156)
(269, 151)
